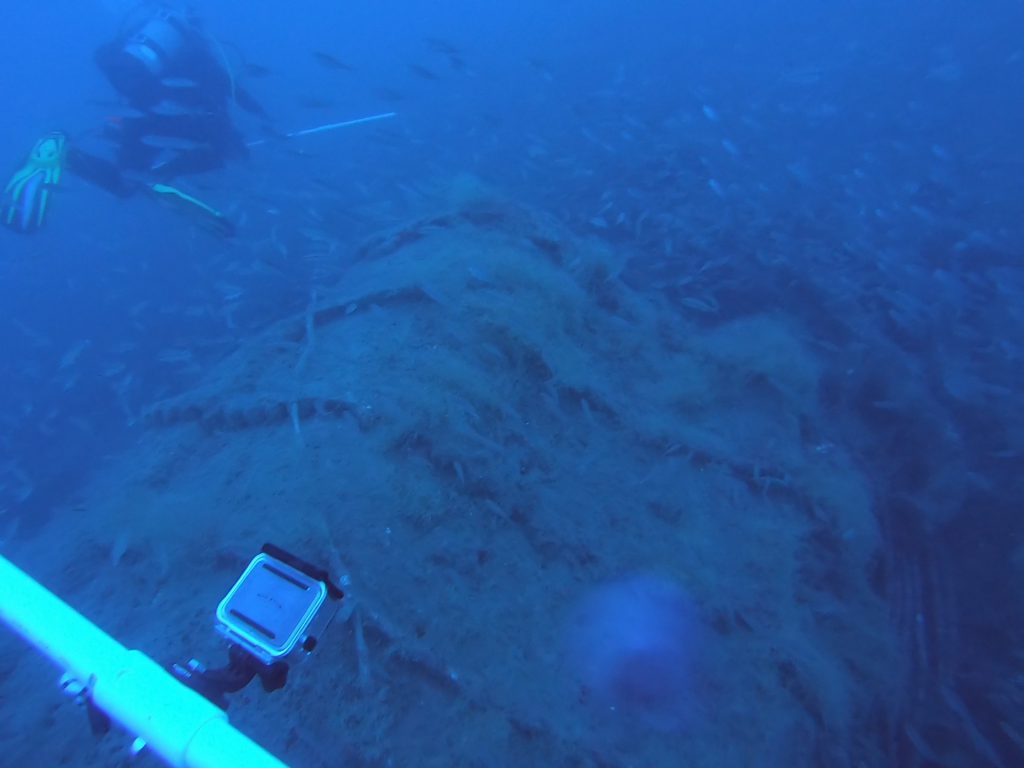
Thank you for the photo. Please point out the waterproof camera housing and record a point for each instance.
(278, 607)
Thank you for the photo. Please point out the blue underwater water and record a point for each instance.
(648, 373)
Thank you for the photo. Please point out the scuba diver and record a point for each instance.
(178, 92)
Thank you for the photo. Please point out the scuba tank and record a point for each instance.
(159, 41)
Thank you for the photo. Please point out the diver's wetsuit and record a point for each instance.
(179, 92)
(181, 101)
(203, 145)
(101, 172)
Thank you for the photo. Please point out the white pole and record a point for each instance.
(324, 128)
(175, 722)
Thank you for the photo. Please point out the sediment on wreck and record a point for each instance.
(476, 423)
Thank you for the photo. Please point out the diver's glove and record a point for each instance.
(207, 217)
(27, 195)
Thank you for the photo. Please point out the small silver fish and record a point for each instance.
(171, 143)
(706, 305)
(72, 354)
(178, 83)
(169, 108)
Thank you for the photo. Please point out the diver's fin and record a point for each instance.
(205, 216)
(26, 197)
